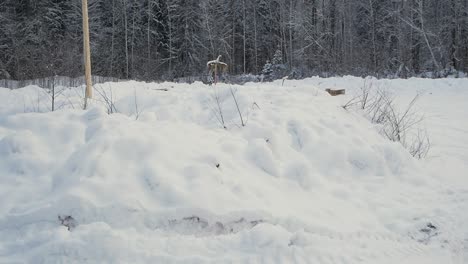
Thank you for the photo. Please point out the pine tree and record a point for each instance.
(165, 39)
(267, 72)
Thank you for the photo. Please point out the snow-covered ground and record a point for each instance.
(161, 181)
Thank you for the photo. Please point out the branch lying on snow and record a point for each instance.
(67, 221)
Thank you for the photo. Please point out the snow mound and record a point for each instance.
(162, 180)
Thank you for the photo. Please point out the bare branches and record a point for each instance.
(396, 125)
(107, 99)
(365, 92)
(352, 102)
(226, 105)
(420, 145)
(233, 94)
(54, 94)
(364, 99)
(378, 109)
(137, 110)
(217, 109)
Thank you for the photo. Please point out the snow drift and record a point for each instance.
(161, 180)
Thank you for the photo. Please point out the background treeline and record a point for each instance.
(166, 39)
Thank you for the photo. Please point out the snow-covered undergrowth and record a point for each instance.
(161, 181)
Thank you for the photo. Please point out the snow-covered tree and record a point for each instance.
(154, 39)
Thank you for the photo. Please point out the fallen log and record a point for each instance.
(335, 92)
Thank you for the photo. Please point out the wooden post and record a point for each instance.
(333, 92)
(87, 53)
(213, 67)
(216, 74)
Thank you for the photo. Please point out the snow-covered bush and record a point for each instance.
(267, 71)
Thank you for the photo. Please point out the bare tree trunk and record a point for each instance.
(244, 18)
(404, 42)
(126, 37)
(112, 40)
(148, 38)
(453, 46)
(208, 28)
(424, 33)
(133, 38)
(169, 17)
(464, 37)
(255, 38)
(233, 41)
(291, 60)
(373, 32)
(283, 34)
(333, 32)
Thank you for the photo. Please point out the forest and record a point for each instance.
(168, 39)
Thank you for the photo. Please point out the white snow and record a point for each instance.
(217, 61)
(161, 181)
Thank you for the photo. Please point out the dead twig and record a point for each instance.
(233, 94)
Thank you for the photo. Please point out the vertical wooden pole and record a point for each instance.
(87, 53)
(216, 74)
